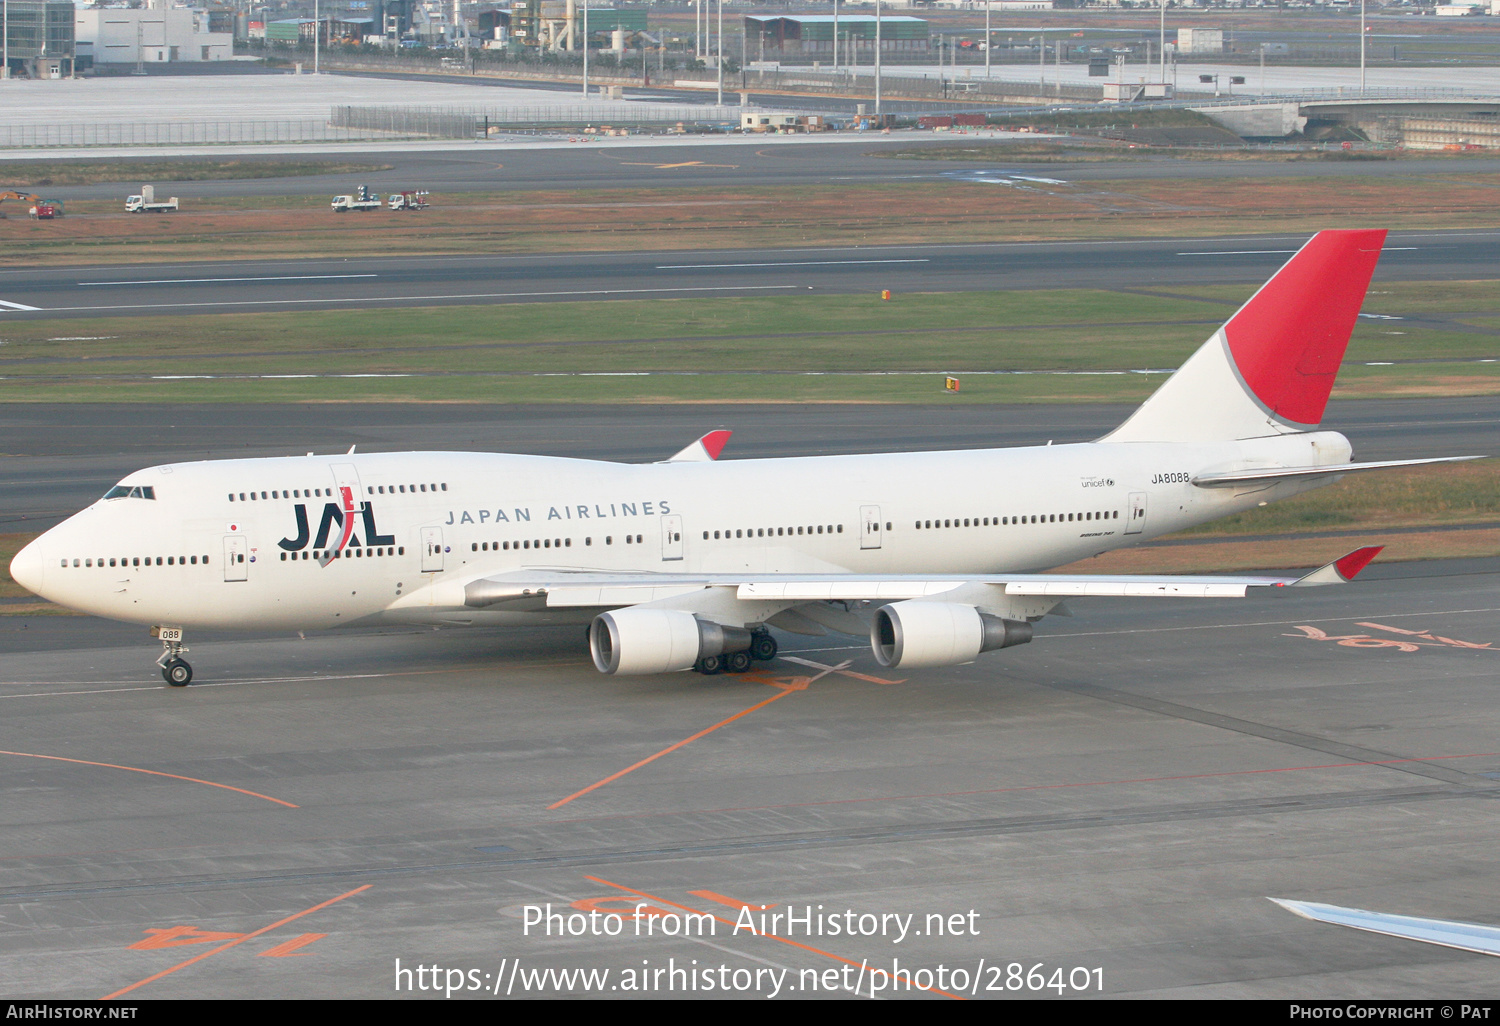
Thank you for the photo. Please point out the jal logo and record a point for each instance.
(337, 523)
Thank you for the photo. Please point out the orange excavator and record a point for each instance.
(27, 198)
(42, 210)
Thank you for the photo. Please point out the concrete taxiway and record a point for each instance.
(1115, 801)
(249, 286)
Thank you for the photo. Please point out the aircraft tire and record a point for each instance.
(177, 673)
(710, 665)
(763, 647)
(737, 662)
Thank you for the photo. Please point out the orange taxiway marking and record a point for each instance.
(786, 689)
(768, 936)
(669, 750)
(288, 949)
(238, 940)
(177, 936)
(154, 773)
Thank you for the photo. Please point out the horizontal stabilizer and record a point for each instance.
(704, 450)
(1272, 474)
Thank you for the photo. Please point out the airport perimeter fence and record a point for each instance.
(471, 122)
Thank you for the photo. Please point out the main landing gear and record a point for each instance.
(762, 649)
(174, 669)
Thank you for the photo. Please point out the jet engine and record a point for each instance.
(920, 633)
(658, 640)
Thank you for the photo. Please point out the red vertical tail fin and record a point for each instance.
(1272, 365)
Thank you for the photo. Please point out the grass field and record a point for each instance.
(1045, 345)
(707, 216)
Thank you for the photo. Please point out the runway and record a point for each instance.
(1115, 801)
(728, 162)
(250, 286)
(59, 458)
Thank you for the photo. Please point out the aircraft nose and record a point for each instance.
(28, 568)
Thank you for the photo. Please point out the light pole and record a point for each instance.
(835, 36)
(1162, 43)
(315, 35)
(877, 61)
(5, 72)
(988, 42)
(585, 49)
(720, 52)
(1361, 47)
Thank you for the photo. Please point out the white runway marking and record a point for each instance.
(425, 299)
(198, 281)
(128, 686)
(17, 306)
(793, 263)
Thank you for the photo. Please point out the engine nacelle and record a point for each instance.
(920, 633)
(658, 640)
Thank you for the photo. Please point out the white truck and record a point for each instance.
(408, 200)
(363, 199)
(146, 202)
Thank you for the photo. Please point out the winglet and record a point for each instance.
(1341, 570)
(704, 450)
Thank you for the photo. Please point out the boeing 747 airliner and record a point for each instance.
(935, 556)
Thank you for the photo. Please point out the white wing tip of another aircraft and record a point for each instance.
(1476, 937)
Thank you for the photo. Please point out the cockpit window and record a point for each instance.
(121, 491)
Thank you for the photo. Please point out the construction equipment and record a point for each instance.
(408, 200)
(147, 203)
(22, 196)
(363, 199)
(43, 212)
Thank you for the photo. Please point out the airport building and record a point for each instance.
(39, 38)
(113, 36)
(814, 34)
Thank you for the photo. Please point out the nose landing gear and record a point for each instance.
(174, 669)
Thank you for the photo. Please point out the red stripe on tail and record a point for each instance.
(1288, 340)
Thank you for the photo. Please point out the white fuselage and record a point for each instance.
(204, 553)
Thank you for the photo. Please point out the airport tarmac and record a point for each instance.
(701, 162)
(254, 285)
(1115, 801)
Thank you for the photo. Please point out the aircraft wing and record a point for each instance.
(565, 589)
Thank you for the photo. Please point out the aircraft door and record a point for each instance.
(236, 558)
(869, 532)
(671, 538)
(1137, 513)
(432, 550)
